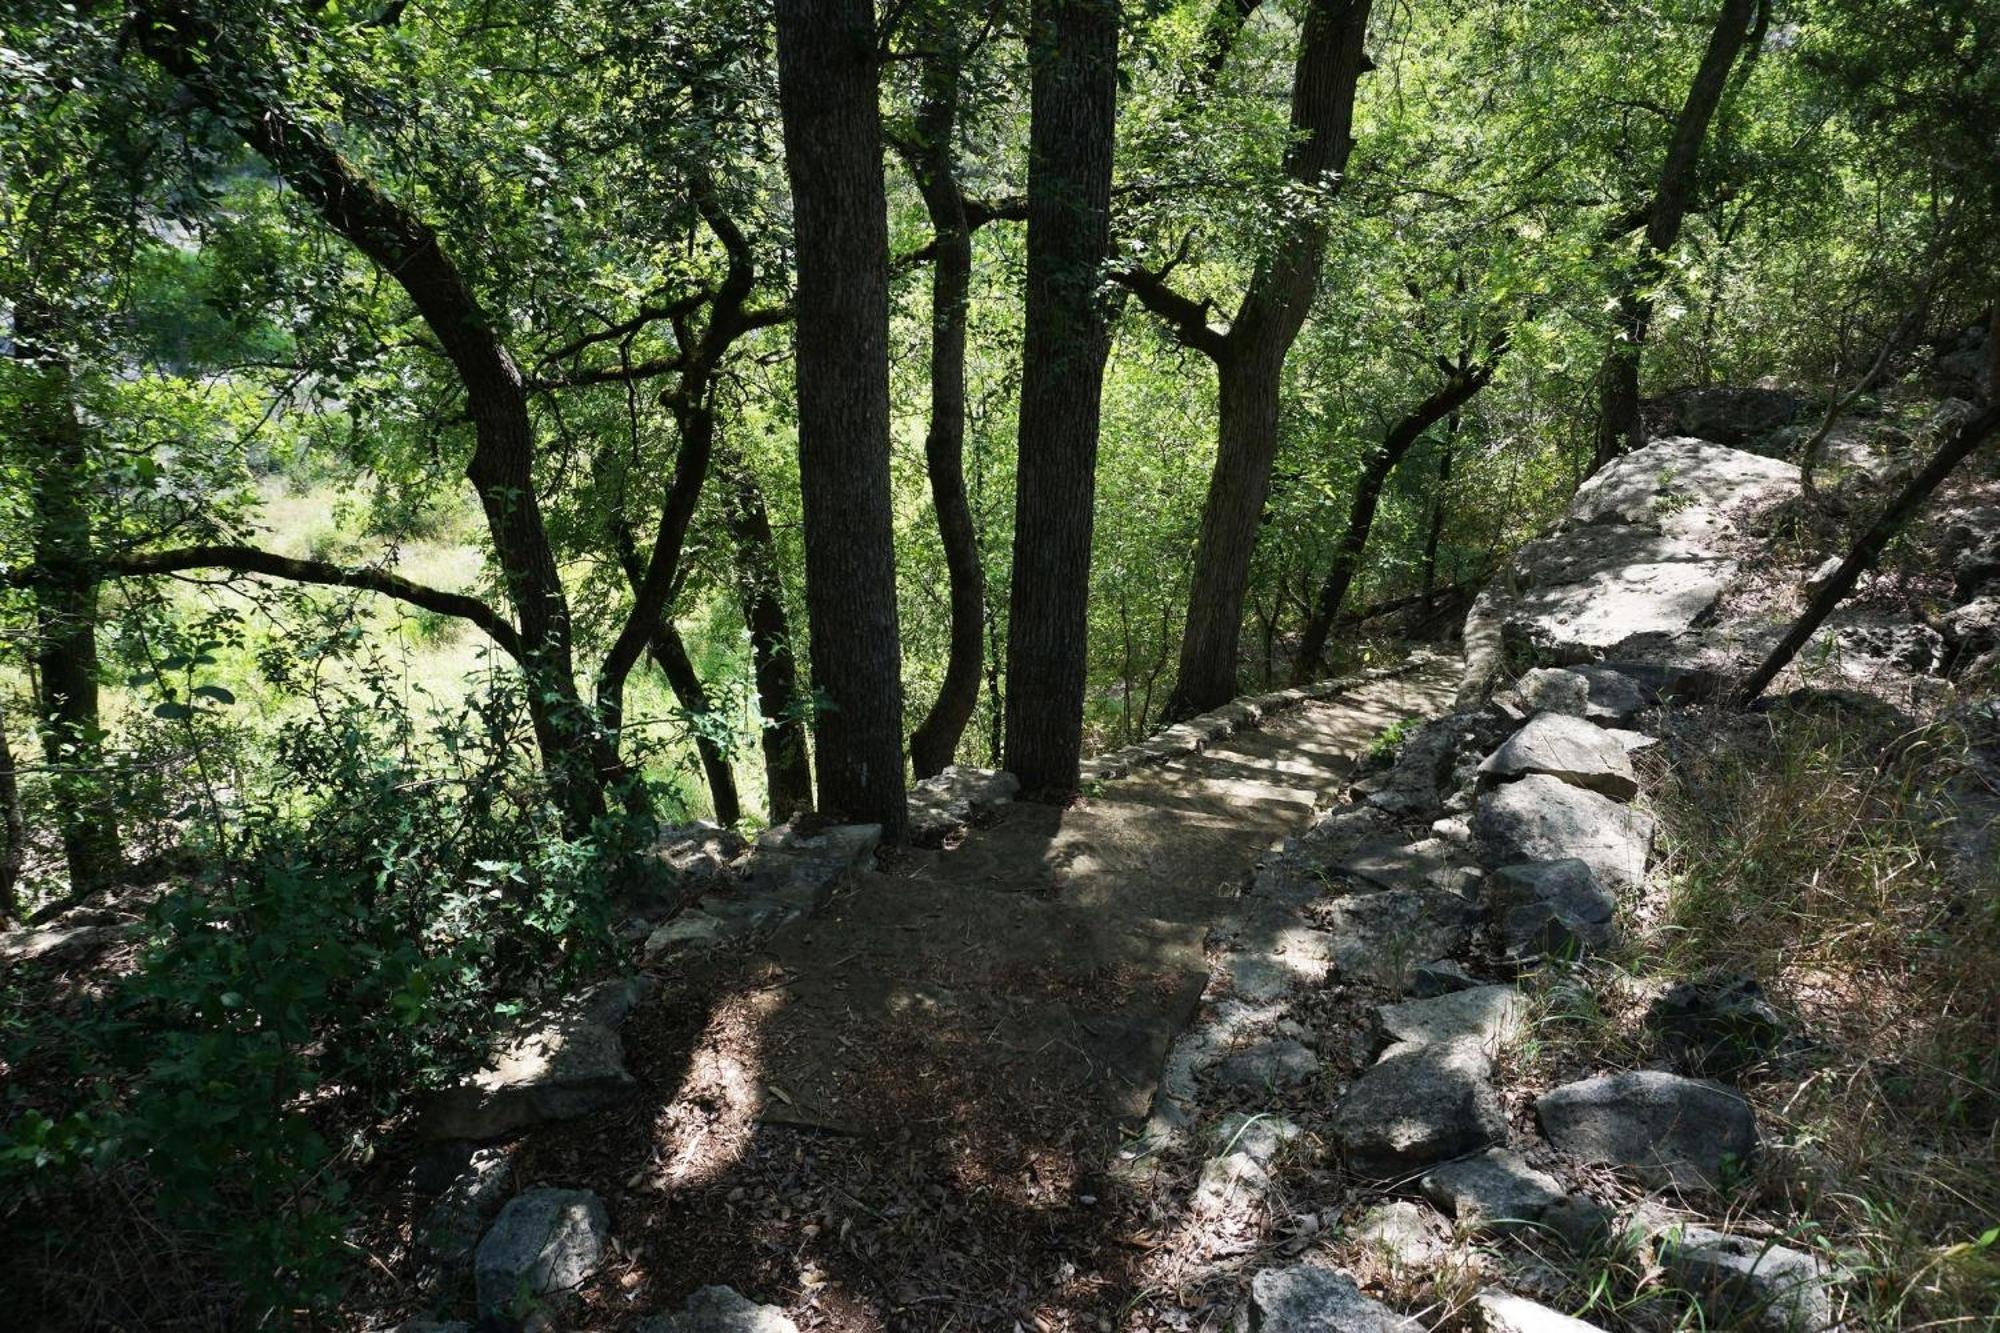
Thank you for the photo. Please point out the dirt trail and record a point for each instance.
(914, 1097)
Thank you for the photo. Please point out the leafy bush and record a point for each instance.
(353, 948)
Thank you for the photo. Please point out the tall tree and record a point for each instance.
(932, 154)
(1073, 59)
(210, 63)
(827, 101)
(1250, 356)
(1618, 423)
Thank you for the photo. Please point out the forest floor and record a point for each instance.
(908, 1111)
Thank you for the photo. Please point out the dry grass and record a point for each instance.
(1823, 855)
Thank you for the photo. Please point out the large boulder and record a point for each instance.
(1541, 818)
(1661, 1126)
(1636, 568)
(568, 1062)
(1305, 1299)
(1557, 908)
(541, 1248)
(1566, 747)
(1418, 1108)
(1379, 935)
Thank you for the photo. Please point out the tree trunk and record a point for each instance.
(1869, 547)
(65, 595)
(13, 829)
(670, 654)
(827, 100)
(1246, 444)
(1250, 367)
(935, 741)
(1368, 495)
(1434, 533)
(1618, 423)
(1073, 62)
(787, 766)
(577, 761)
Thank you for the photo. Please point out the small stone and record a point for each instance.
(1745, 1283)
(1568, 885)
(721, 1310)
(1495, 1191)
(1716, 1027)
(1662, 1126)
(1400, 1232)
(542, 1246)
(451, 1229)
(1822, 575)
(1268, 1064)
(1262, 1137)
(1581, 1223)
(1489, 1015)
(1554, 690)
(1439, 977)
(1504, 1312)
(1305, 1299)
(1418, 1108)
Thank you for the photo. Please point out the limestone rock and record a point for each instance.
(945, 805)
(1552, 909)
(1745, 1283)
(1262, 1137)
(1565, 747)
(1614, 699)
(1418, 1108)
(1381, 934)
(1401, 1232)
(1305, 1299)
(1488, 1015)
(1662, 1126)
(569, 1063)
(451, 1229)
(1972, 630)
(721, 1310)
(1494, 1191)
(1541, 818)
(1731, 414)
(1441, 976)
(542, 1246)
(1504, 1312)
(1717, 1027)
(1669, 476)
(1554, 690)
(1268, 1064)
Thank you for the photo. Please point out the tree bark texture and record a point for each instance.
(827, 100)
(1073, 61)
(787, 765)
(935, 741)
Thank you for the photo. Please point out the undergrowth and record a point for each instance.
(1826, 855)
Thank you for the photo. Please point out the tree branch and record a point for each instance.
(366, 578)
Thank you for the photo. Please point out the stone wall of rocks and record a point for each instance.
(1501, 838)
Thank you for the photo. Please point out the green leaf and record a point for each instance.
(215, 692)
(173, 712)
